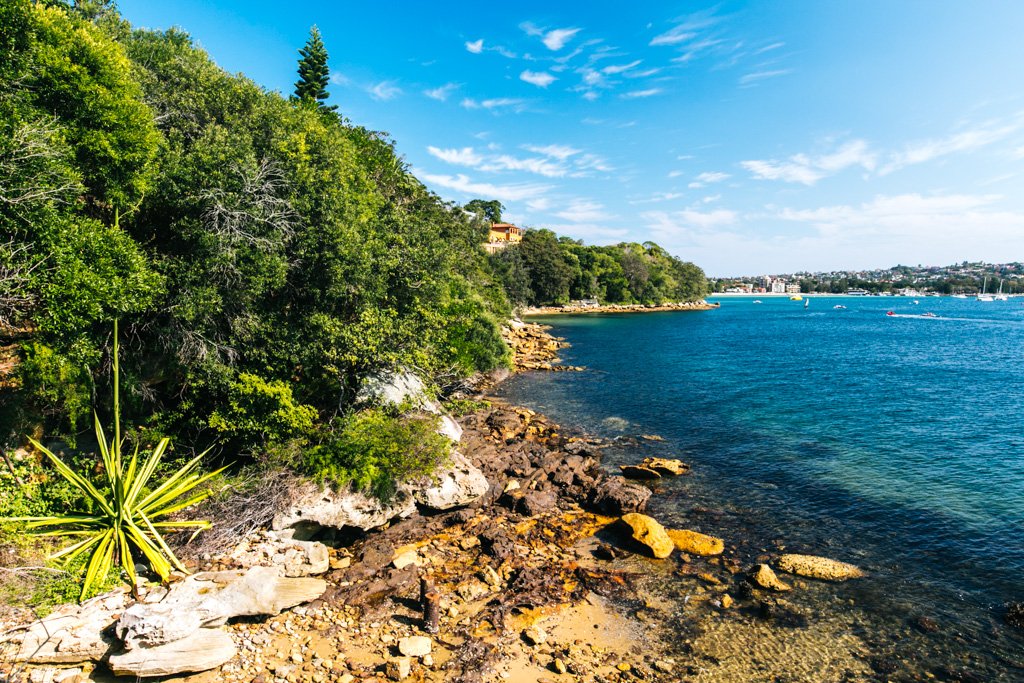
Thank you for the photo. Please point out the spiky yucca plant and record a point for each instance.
(130, 513)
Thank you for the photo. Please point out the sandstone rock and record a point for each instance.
(205, 649)
(649, 532)
(71, 633)
(409, 557)
(450, 428)
(210, 599)
(461, 483)
(415, 646)
(294, 558)
(616, 496)
(696, 543)
(727, 601)
(398, 669)
(819, 567)
(396, 388)
(535, 635)
(665, 466)
(764, 577)
(636, 472)
(320, 505)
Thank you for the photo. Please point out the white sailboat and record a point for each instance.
(1000, 296)
(987, 298)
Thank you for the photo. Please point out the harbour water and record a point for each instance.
(893, 442)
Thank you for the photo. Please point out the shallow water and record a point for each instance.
(896, 443)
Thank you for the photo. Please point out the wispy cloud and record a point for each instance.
(384, 91)
(584, 211)
(688, 219)
(686, 30)
(495, 104)
(441, 93)
(638, 94)
(463, 157)
(506, 193)
(541, 79)
(475, 46)
(621, 68)
(553, 161)
(658, 197)
(963, 141)
(807, 170)
(707, 178)
(555, 40)
(758, 76)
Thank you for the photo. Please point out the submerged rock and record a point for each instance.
(1015, 614)
(648, 531)
(616, 496)
(665, 466)
(638, 472)
(815, 567)
(696, 543)
(764, 577)
(205, 649)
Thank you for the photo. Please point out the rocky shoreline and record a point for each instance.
(525, 560)
(621, 308)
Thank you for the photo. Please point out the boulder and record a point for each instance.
(71, 633)
(395, 387)
(415, 646)
(666, 467)
(616, 496)
(323, 506)
(461, 483)
(764, 577)
(205, 649)
(822, 568)
(637, 472)
(450, 428)
(210, 599)
(649, 532)
(696, 543)
(292, 557)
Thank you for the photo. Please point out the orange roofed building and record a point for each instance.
(502, 235)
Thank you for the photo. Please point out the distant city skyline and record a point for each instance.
(743, 136)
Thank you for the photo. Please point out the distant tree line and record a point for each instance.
(545, 269)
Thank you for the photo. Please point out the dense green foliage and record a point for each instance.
(544, 269)
(261, 254)
(375, 449)
(311, 88)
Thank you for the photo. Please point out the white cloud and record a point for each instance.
(658, 197)
(686, 30)
(964, 141)
(620, 68)
(506, 193)
(556, 39)
(707, 178)
(769, 48)
(584, 211)
(384, 91)
(558, 151)
(758, 76)
(541, 79)
(495, 103)
(338, 78)
(636, 94)
(801, 168)
(689, 219)
(441, 94)
(462, 157)
(537, 165)
(476, 46)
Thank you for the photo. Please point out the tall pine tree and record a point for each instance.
(313, 72)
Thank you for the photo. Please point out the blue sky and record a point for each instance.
(748, 137)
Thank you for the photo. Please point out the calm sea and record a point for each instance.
(894, 442)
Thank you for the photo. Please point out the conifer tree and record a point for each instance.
(313, 72)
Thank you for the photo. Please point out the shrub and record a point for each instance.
(374, 450)
(260, 412)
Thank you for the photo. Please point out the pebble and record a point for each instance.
(535, 635)
(415, 646)
(559, 666)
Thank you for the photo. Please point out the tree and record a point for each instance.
(313, 72)
(490, 210)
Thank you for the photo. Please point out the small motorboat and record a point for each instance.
(839, 307)
(757, 301)
(891, 313)
(929, 314)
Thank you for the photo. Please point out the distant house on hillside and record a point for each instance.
(501, 235)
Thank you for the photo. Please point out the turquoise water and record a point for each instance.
(893, 442)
